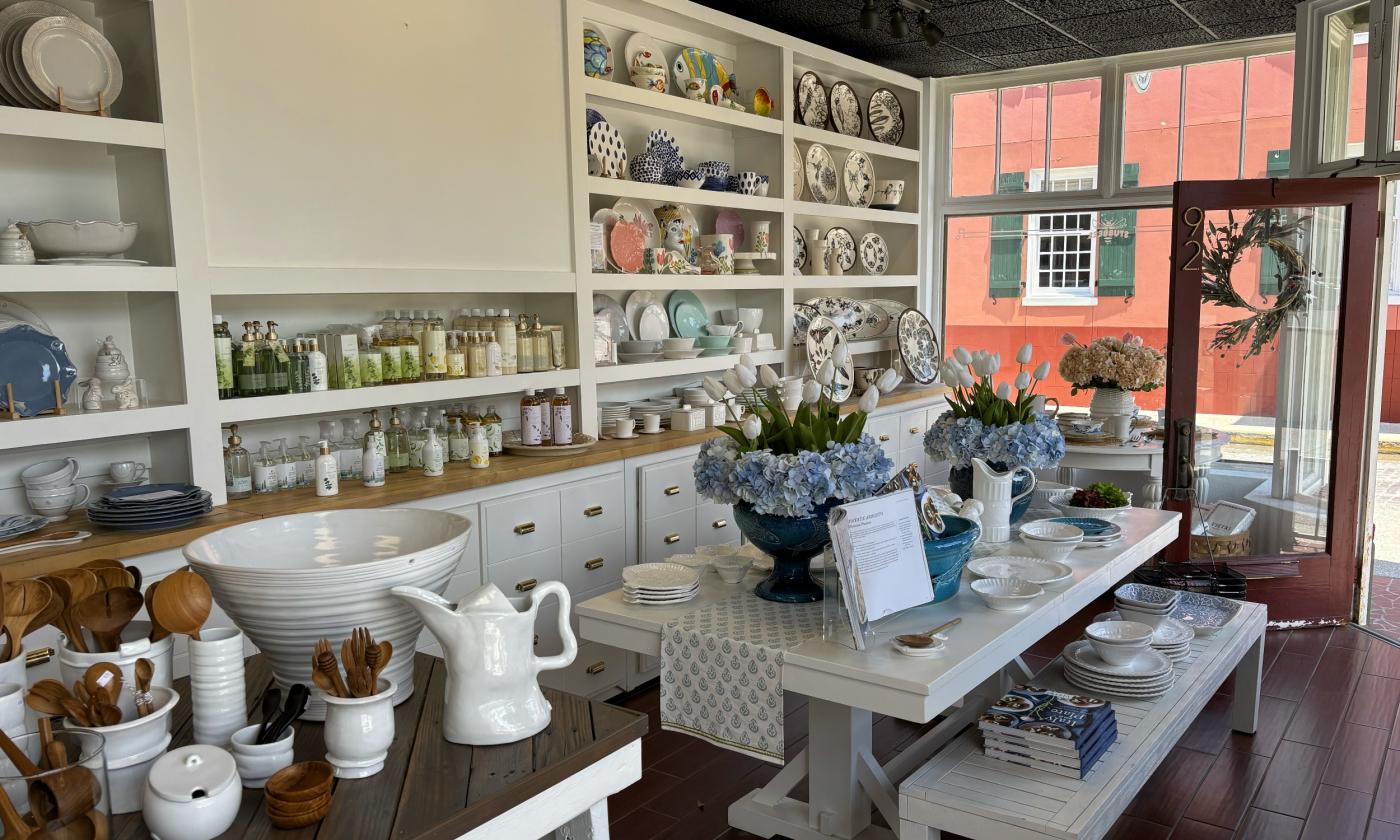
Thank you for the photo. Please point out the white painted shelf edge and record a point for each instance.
(812, 209)
(77, 426)
(317, 280)
(682, 367)
(679, 107)
(682, 195)
(837, 140)
(53, 125)
(853, 281)
(356, 399)
(86, 278)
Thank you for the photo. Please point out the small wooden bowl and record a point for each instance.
(300, 782)
(302, 820)
(296, 809)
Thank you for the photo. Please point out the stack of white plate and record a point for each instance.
(694, 396)
(1171, 638)
(659, 583)
(610, 412)
(1032, 569)
(1146, 677)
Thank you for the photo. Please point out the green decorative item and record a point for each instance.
(1225, 246)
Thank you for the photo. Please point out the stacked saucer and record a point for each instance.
(659, 583)
(1145, 677)
(1170, 638)
(151, 507)
(1097, 532)
(20, 523)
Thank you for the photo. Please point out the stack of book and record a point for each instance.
(1065, 734)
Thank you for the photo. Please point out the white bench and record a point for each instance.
(962, 791)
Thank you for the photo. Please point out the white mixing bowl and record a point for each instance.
(291, 580)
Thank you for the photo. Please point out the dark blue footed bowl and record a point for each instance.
(960, 482)
(792, 542)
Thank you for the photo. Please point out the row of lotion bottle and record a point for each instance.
(545, 421)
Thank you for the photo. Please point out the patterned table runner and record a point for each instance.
(721, 671)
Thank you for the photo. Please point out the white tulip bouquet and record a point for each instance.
(790, 466)
(986, 420)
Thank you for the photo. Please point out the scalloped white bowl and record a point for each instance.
(1007, 594)
(74, 238)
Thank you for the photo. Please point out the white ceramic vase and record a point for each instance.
(359, 731)
(132, 747)
(135, 645)
(218, 693)
(1108, 402)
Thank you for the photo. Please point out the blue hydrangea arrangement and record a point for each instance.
(785, 466)
(986, 420)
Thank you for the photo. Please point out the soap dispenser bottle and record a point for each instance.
(396, 445)
(432, 453)
(238, 467)
(327, 471)
(374, 455)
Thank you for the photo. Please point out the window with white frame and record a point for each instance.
(1061, 246)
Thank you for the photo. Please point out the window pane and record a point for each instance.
(1151, 117)
(1074, 134)
(1344, 83)
(974, 143)
(1210, 146)
(1022, 138)
(1268, 116)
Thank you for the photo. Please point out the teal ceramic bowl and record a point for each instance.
(947, 555)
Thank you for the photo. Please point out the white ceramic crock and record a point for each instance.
(132, 746)
(12, 670)
(218, 691)
(257, 762)
(359, 731)
(12, 708)
(135, 645)
(192, 793)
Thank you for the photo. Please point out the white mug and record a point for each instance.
(124, 471)
(1120, 426)
(58, 501)
(651, 422)
(624, 425)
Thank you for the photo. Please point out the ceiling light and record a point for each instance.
(899, 27)
(932, 34)
(870, 15)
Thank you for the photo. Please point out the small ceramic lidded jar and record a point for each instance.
(192, 793)
(14, 248)
(359, 731)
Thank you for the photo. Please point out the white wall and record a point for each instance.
(363, 133)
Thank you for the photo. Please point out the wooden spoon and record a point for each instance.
(182, 603)
(923, 640)
(112, 577)
(46, 697)
(145, 669)
(104, 679)
(48, 615)
(157, 631)
(377, 657)
(105, 714)
(107, 613)
(324, 682)
(58, 607)
(25, 600)
(15, 826)
(81, 583)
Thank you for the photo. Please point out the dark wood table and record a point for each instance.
(429, 789)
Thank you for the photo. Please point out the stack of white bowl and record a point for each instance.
(51, 489)
(1118, 642)
(1051, 540)
(679, 348)
(1150, 605)
(291, 580)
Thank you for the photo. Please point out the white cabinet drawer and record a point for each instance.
(521, 524)
(592, 562)
(519, 575)
(667, 488)
(588, 508)
(714, 524)
(885, 431)
(912, 425)
(598, 668)
(667, 535)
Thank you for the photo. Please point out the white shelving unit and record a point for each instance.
(144, 164)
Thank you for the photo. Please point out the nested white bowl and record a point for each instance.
(1132, 633)
(289, 581)
(68, 238)
(1056, 550)
(1044, 529)
(1007, 594)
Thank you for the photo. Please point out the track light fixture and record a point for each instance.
(930, 30)
(870, 15)
(899, 27)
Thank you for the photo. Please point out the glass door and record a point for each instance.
(1272, 294)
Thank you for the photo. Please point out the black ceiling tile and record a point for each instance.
(1058, 10)
(959, 67)
(1258, 27)
(1127, 24)
(979, 16)
(1212, 12)
(1002, 41)
(1058, 55)
(1157, 41)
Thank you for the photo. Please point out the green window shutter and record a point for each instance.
(1276, 166)
(1007, 241)
(1117, 255)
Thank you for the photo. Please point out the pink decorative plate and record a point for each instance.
(626, 243)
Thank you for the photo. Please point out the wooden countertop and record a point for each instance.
(429, 788)
(399, 489)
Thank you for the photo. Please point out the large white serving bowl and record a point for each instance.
(291, 580)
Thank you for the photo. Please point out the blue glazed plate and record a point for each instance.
(126, 493)
(30, 362)
(1091, 526)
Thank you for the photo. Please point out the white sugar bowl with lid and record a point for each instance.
(192, 793)
(14, 248)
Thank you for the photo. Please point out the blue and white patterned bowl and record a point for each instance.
(690, 178)
(646, 169)
(713, 183)
(714, 168)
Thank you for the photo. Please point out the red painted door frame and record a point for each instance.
(1325, 588)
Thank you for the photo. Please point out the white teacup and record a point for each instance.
(724, 329)
(651, 422)
(624, 427)
(1086, 426)
(124, 471)
(47, 475)
(1119, 426)
(56, 502)
(741, 343)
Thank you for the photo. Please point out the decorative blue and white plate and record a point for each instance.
(847, 314)
(19, 524)
(812, 106)
(802, 316)
(840, 242)
(30, 362)
(918, 347)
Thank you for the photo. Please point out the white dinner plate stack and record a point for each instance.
(1146, 677)
(610, 412)
(659, 583)
(1171, 638)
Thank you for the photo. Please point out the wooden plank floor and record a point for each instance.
(1325, 762)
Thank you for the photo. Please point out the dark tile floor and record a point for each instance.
(1325, 762)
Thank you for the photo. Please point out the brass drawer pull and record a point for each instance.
(720, 523)
(597, 667)
(526, 585)
(524, 528)
(884, 438)
(913, 430)
(671, 539)
(594, 510)
(673, 490)
(595, 563)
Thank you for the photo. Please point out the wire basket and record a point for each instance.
(1216, 545)
(1214, 579)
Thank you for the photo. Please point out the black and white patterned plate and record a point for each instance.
(799, 249)
(812, 107)
(859, 177)
(821, 174)
(605, 144)
(823, 337)
(886, 117)
(840, 241)
(845, 109)
(918, 347)
(848, 315)
(874, 256)
(802, 316)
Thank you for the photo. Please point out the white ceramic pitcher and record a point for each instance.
(993, 490)
(493, 694)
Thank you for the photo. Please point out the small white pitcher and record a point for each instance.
(993, 490)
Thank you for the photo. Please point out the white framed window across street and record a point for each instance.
(1061, 246)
